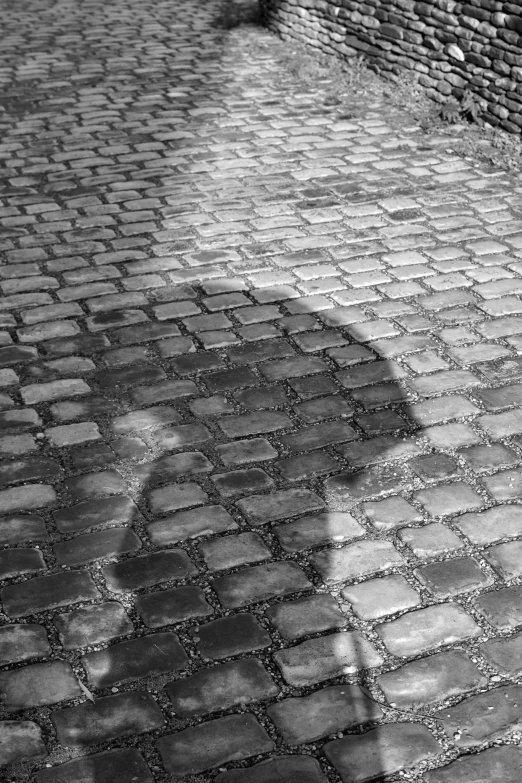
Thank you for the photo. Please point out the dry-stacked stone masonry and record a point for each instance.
(452, 46)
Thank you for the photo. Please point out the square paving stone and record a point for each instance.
(221, 687)
(47, 592)
(20, 741)
(123, 715)
(95, 546)
(331, 527)
(326, 657)
(382, 751)
(317, 410)
(491, 525)
(269, 349)
(292, 368)
(14, 562)
(92, 625)
(121, 765)
(316, 386)
(23, 642)
(484, 717)
(426, 629)
(130, 660)
(501, 608)
(243, 451)
(366, 483)
(202, 521)
(313, 614)
(307, 466)
(432, 467)
(148, 570)
(260, 509)
(488, 457)
(452, 577)
(381, 422)
(184, 435)
(355, 560)
(37, 685)
(430, 540)
(428, 680)
(19, 528)
(229, 636)
(499, 764)
(281, 769)
(319, 436)
(93, 456)
(213, 744)
(167, 607)
(240, 482)
(268, 397)
(232, 551)
(506, 559)
(29, 469)
(116, 510)
(449, 499)
(226, 380)
(504, 654)
(105, 482)
(504, 485)
(259, 583)
(217, 405)
(174, 497)
(306, 719)
(377, 598)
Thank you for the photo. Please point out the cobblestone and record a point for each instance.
(406, 744)
(123, 764)
(111, 717)
(483, 717)
(213, 743)
(221, 687)
(218, 289)
(38, 684)
(431, 679)
(137, 658)
(20, 741)
(502, 764)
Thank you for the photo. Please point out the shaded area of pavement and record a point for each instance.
(260, 455)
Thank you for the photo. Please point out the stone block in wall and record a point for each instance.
(391, 30)
(499, 66)
(468, 21)
(478, 59)
(508, 36)
(355, 43)
(444, 18)
(413, 38)
(498, 18)
(423, 9)
(514, 23)
(453, 46)
(455, 52)
(432, 43)
(444, 88)
(427, 81)
(370, 22)
(487, 30)
(406, 5)
(478, 13)
(455, 80)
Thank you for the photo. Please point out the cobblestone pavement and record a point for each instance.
(262, 443)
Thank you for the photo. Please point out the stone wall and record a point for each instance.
(452, 46)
